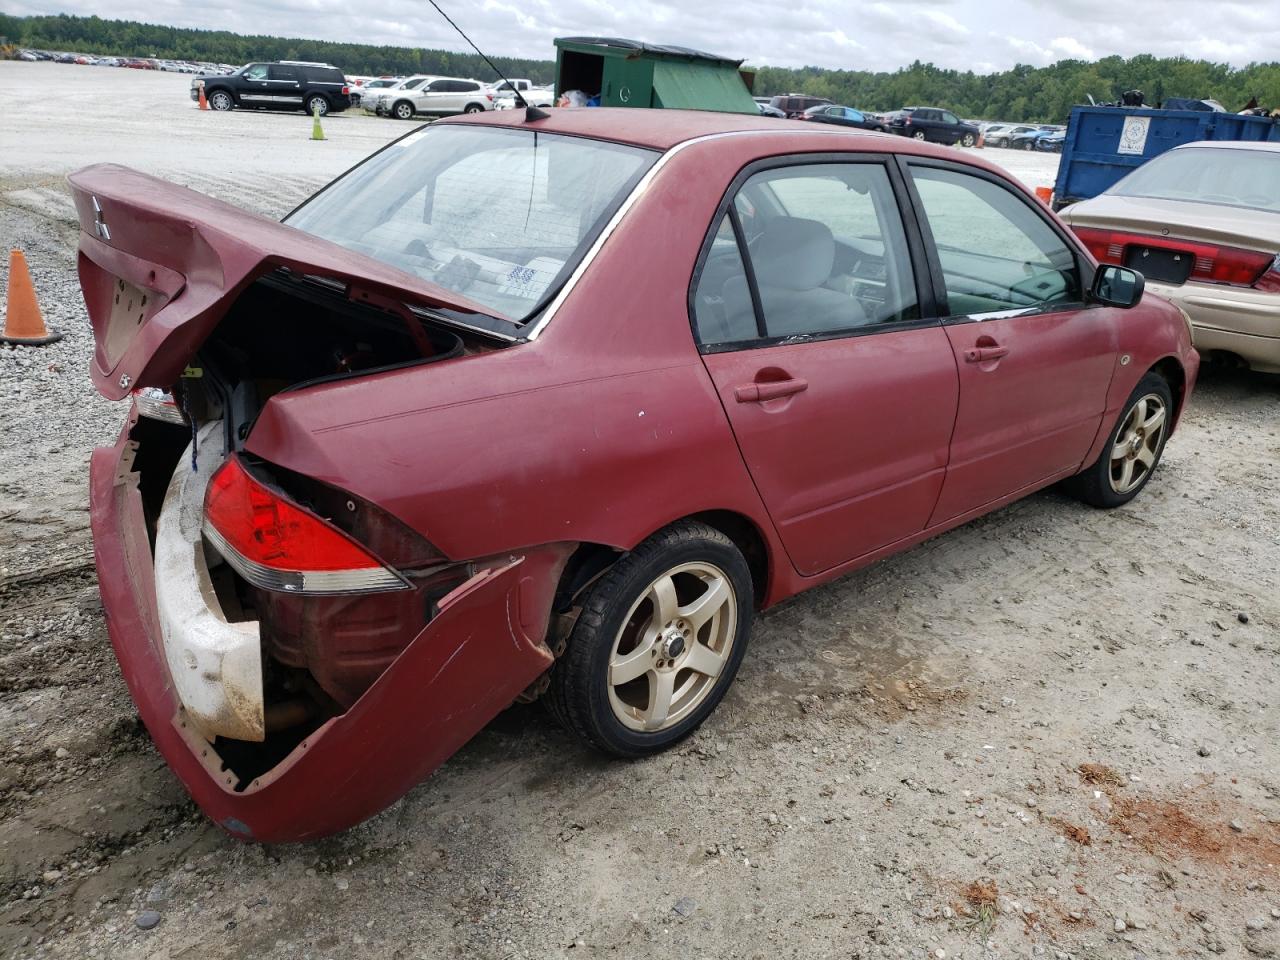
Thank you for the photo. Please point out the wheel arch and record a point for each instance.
(590, 560)
(1176, 376)
(396, 103)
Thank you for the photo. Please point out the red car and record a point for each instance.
(525, 408)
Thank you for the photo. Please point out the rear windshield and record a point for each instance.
(1235, 178)
(500, 216)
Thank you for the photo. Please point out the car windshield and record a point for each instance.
(1236, 178)
(501, 216)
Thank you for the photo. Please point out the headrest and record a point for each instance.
(794, 253)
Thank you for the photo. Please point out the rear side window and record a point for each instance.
(279, 72)
(324, 75)
(826, 254)
(996, 252)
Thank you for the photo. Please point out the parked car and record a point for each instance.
(1027, 140)
(932, 124)
(768, 110)
(370, 100)
(534, 96)
(1202, 223)
(1052, 142)
(1001, 135)
(842, 116)
(359, 93)
(437, 96)
(423, 463)
(795, 104)
(287, 85)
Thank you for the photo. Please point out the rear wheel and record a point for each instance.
(657, 643)
(220, 100)
(473, 108)
(918, 135)
(316, 104)
(403, 110)
(1133, 450)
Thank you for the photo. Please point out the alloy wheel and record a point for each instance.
(673, 644)
(1138, 443)
(220, 101)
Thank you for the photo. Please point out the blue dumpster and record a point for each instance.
(1103, 144)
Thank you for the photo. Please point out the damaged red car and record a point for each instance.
(548, 408)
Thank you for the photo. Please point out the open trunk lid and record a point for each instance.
(160, 264)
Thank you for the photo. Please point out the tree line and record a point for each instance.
(1024, 93)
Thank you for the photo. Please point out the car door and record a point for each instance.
(1035, 359)
(949, 126)
(840, 385)
(285, 84)
(436, 96)
(255, 90)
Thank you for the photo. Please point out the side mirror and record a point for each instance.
(1117, 287)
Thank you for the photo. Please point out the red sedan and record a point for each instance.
(549, 408)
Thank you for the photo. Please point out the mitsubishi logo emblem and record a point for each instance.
(99, 222)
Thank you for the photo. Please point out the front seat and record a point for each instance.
(792, 258)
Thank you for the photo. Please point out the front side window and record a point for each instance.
(257, 71)
(996, 252)
(950, 118)
(853, 115)
(826, 250)
(499, 216)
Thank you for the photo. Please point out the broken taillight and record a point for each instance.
(275, 544)
(158, 405)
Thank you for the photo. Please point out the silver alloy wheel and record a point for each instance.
(919, 135)
(968, 140)
(1138, 442)
(404, 111)
(673, 644)
(473, 108)
(324, 106)
(221, 101)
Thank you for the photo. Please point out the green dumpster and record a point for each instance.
(624, 73)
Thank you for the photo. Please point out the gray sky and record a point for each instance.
(964, 34)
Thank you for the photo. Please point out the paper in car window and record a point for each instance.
(530, 281)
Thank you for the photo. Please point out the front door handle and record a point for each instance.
(982, 354)
(770, 390)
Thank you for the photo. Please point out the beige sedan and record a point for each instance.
(1202, 224)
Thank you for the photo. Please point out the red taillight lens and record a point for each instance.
(346, 91)
(1213, 263)
(277, 545)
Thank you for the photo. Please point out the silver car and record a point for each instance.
(438, 96)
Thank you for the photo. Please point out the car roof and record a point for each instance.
(664, 129)
(1269, 146)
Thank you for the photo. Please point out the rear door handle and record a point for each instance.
(980, 354)
(769, 390)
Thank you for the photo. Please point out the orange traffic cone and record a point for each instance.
(982, 140)
(1045, 195)
(22, 321)
(204, 103)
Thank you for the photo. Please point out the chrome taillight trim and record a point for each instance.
(313, 582)
(157, 404)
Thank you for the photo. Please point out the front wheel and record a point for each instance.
(403, 110)
(1133, 450)
(316, 105)
(918, 135)
(967, 140)
(657, 643)
(1028, 145)
(220, 100)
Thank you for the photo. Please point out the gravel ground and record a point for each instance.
(1052, 732)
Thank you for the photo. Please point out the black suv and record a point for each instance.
(288, 85)
(932, 123)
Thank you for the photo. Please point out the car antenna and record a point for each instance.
(530, 112)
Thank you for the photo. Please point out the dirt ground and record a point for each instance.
(1053, 732)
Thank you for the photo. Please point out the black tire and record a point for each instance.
(1097, 485)
(967, 140)
(473, 108)
(919, 135)
(1029, 145)
(314, 101)
(580, 695)
(999, 143)
(220, 100)
(402, 110)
